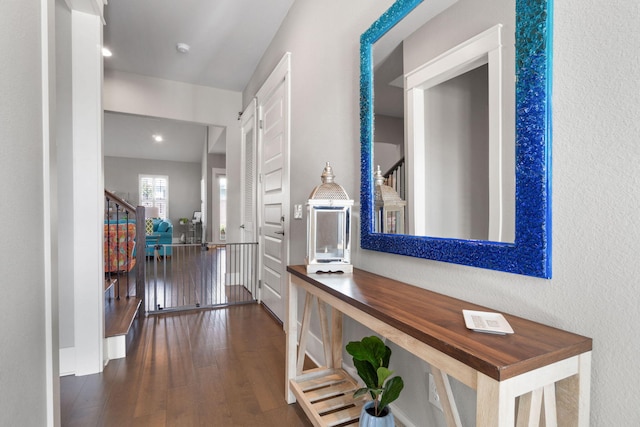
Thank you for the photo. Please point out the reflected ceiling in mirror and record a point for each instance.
(528, 249)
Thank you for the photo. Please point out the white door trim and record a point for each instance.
(248, 125)
(281, 73)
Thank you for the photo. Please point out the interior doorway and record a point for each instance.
(219, 205)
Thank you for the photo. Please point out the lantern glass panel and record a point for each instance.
(392, 222)
(330, 234)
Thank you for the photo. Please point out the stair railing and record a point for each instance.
(117, 209)
(396, 178)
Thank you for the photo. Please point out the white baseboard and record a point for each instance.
(116, 347)
(67, 361)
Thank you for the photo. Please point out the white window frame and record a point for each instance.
(155, 202)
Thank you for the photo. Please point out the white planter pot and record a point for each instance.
(367, 420)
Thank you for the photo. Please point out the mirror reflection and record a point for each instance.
(476, 46)
(444, 119)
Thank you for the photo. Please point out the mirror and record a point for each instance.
(516, 224)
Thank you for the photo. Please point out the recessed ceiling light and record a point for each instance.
(106, 52)
(183, 47)
(157, 138)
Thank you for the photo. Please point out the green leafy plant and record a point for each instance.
(371, 359)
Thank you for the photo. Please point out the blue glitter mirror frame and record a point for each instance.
(530, 254)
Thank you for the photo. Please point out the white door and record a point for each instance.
(248, 174)
(273, 102)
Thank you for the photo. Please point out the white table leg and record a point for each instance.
(291, 329)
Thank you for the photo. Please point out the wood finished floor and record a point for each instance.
(221, 367)
(192, 277)
(118, 313)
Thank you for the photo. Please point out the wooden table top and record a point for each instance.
(437, 321)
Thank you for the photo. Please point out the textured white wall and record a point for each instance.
(595, 178)
(23, 348)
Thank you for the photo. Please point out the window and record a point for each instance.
(154, 192)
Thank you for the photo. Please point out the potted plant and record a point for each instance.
(371, 360)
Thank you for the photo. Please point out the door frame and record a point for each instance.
(282, 72)
(215, 203)
(249, 124)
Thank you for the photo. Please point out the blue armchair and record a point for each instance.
(162, 235)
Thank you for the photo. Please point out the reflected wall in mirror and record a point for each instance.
(447, 97)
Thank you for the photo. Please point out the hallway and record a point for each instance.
(206, 368)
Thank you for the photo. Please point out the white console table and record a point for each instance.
(538, 369)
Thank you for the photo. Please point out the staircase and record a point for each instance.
(124, 271)
(396, 178)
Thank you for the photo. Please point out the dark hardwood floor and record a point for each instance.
(221, 367)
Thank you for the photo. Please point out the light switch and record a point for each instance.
(297, 211)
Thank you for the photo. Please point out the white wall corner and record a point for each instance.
(88, 207)
(92, 7)
(115, 347)
(67, 361)
(216, 137)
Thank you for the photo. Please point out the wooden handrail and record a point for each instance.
(394, 167)
(396, 178)
(120, 202)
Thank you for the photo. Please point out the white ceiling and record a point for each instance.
(127, 135)
(227, 40)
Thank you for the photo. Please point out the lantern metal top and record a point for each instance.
(328, 190)
(384, 193)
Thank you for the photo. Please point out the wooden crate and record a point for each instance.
(326, 395)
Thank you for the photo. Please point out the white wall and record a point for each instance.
(456, 159)
(462, 21)
(389, 141)
(324, 94)
(147, 96)
(64, 143)
(78, 116)
(25, 263)
(121, 175)
(595, 179)
(88, 198)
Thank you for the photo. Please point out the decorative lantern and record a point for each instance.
(389, 207)
(329, 227)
